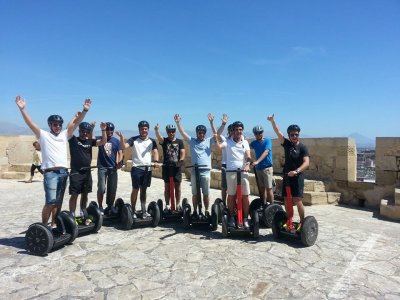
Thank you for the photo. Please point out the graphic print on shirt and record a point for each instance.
(108, 149)
(173, 152)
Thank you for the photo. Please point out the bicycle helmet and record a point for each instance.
(237, 124)
(110, 126)
(201, 128)
(85, 126)
(258, 128)
(55, 119)
(143, 124)
(293, 127)
(170, 127)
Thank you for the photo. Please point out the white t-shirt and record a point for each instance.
(141, 150)
(235, 153)
(54, 149)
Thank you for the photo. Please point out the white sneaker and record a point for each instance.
(246, 223)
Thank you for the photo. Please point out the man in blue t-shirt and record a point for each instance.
(263, 163)
(200, 150)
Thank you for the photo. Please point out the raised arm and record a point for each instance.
(103, 126)
(122, 141)
(73, 124)
(22, 108)
(177, 119)
(211, 119)
(222, 127)
(279, 134)
(158, 135)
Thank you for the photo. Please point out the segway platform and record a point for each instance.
(131, 219)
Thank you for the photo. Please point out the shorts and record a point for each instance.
(140, 178)
(265, 177)
(223, 177)
(54, 183)
(176, 172)
(231, 182)
(107, 176)
(204, 182)
(80, 182)
(296, 185)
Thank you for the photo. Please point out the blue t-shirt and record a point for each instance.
(201, 151)
(259, 148)
(107, 156)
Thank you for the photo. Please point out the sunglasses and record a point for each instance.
(56, 124)
(171, 131)
(294, 134)
(259, 132)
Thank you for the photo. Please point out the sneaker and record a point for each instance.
(287, 227)
(231, 222)
(179, 208)
(246, 223)
(145, 215)
(298, 229)
(207, 214)
(134, 215)
(101, 210)
(87, 222)
(195, 215)
(166, 210)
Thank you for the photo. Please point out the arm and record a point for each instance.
(211, 119)
(21, 105)
(155, 155)
(279, 134)
(93, 125)
(217, 142)
(177, 119)
(262, 156)
(222, 127)
(103, 140)
(158, 135)
(302, 168)
(247, 157)
(78, 118)
(122, 141)
(120, 159)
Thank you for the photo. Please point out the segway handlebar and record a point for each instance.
(198, 166)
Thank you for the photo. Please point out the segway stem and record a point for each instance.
(289, 200)
(239, 197)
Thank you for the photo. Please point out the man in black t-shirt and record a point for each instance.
(297, 160)
(80, 149)
(174, 156)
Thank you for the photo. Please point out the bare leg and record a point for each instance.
(72, 203)
(245, 206)
(194, 201)
(46, 212)
(300, 208)
(134, 195)
(100, 197)
(206, 200)
(177, 193)
(231, 204)
(166, 193)
(270, 195)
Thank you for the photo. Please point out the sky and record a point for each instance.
(332, 67)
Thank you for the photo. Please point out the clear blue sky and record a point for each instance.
(333, 67)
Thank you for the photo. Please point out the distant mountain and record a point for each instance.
(7, 128)
(362, 141)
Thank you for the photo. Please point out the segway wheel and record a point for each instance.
(119, 204)
(309, 231)
(255, 204)
(94, 203)
(279, 219)
(184, 202)
(160, 205)
(224, 225)
(154, 210)
(214, 217)
(218, 202)
(95, 213)
(256, 224)
(70, 225)
(186, 216)
(39, 239)
(269, 213)
(126, 216)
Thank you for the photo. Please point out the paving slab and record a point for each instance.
(356, 256)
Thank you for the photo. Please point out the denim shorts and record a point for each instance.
(107, 176)
(204, 182)
(54, 183)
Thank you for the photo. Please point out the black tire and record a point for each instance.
(224, 225)
(95, 212)
(119, 204)
(94, 203)
(255, 204)
(184, 202)
(39, 239)
(218, 202)
(256, 224)
(160, 206)
(126, 216)
(269, 213)
(186, 216)
(280, 218)
(154, 210)
(309, 231)
(70, 225)
(214, 217)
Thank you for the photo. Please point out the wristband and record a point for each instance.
(85, 110)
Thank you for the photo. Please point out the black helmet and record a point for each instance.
(293, 127)
(143, 124)
(85, 126)
(237, 124)
(201, 128)
(170, 127)
(258, 128)
(110, 126)
(55, 119)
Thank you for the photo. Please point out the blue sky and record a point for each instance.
(332, 67)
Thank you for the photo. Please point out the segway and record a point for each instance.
(238, 227)
(174, 213)
(266, 211)
(41, 239)
(199, 219)
(131, 219)
(283, 225)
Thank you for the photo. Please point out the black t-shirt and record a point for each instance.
(294, 155)
(81, 152)
(172, 150)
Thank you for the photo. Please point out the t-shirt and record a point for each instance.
(294, 155)
(235, 153)
(37, 158)
(107, 156)
(54, 149)
(172, 150)
(223, 158)
(141, 150)
(81, 152)
(259, 148)
(201, 151)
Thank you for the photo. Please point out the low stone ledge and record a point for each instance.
(389, 211)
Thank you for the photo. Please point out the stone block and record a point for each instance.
(15, 175)
(315, 198)
(333, 198)
(215, 184)
(391, 212)
(217, 174)
(20, 168)
(397, 196)
(387, 163)
(386, 177)
(314, 186)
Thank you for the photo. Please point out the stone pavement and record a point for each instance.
(356, 256)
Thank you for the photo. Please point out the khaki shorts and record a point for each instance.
(266, 177)
(231, 183)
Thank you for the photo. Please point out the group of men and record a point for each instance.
(235, 149)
